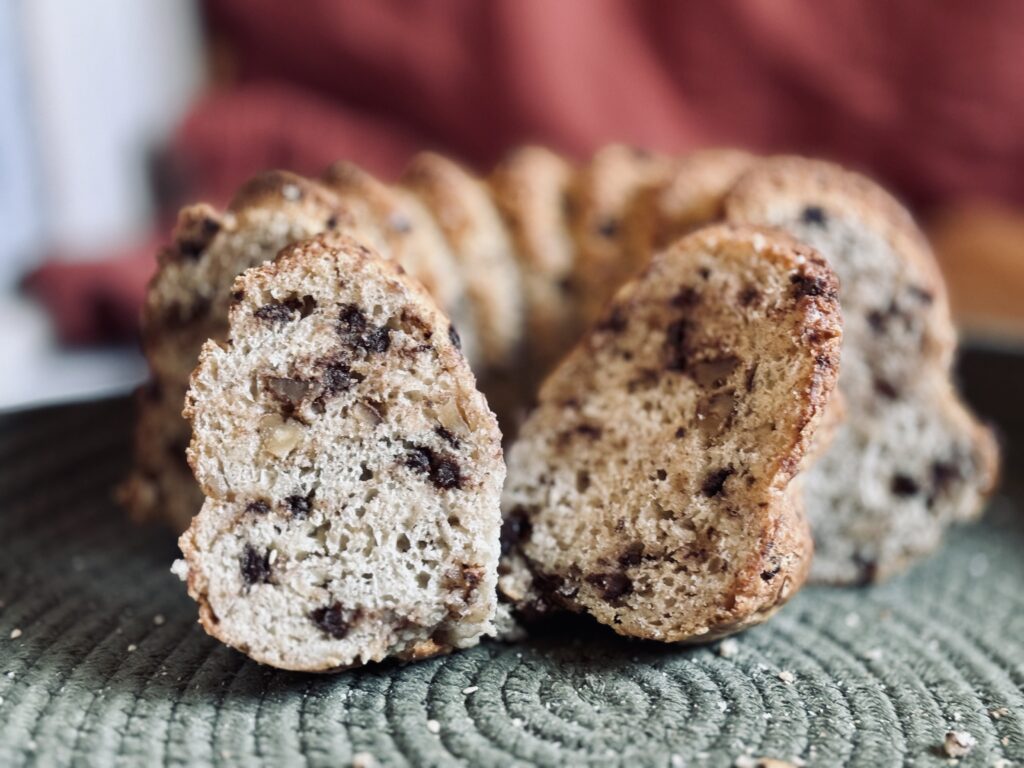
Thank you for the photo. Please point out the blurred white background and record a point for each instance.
(87, 91)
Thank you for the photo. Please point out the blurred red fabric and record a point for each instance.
(927, 95)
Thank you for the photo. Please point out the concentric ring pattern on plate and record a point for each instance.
(110, 668)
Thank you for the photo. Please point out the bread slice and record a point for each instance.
(909, 459)
(187, 303)
(352, 470)
(462, 206)
(406, 232)
(690, 198)
(654, 486)
(600, 198)
(530, 186)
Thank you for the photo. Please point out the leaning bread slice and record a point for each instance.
(187, 303)
(352, 471)
(600, 198)
(654, 486)
(909, 459)
(530, 187)
(463, 208)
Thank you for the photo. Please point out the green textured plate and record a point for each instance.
(102, 663)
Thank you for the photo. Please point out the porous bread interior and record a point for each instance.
(669, 485)
(403, 562)
(908, 460)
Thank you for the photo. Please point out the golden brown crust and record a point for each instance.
(569, 569)
(904, 412)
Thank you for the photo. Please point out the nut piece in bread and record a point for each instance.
(352, 471)
(655, 486)
(909, 459)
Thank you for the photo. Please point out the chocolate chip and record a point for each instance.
(284, 311)
(614, 322)
(632, 554)
(418, 458)
(749, 295)
(453, 337)
(714, 482)
(445, 474)
(904, 485)
(333, 620)
(442, 469)
(608, 228)
(237, 296)
(255, 567)
(332, 222)
(258, 507)
(445, 434)
(687, 297)
(612, 586)
(680, 433)
(704, 272)
(811, 285)
(876, 320)
(769, 575)
(516, 527)
(814, 215)
(337, 377)
(886, 389)
(191, 249)
(676, 345)
(591, 431)
(378, 340)
(351, 319)
(193, 246)
(299, 506)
